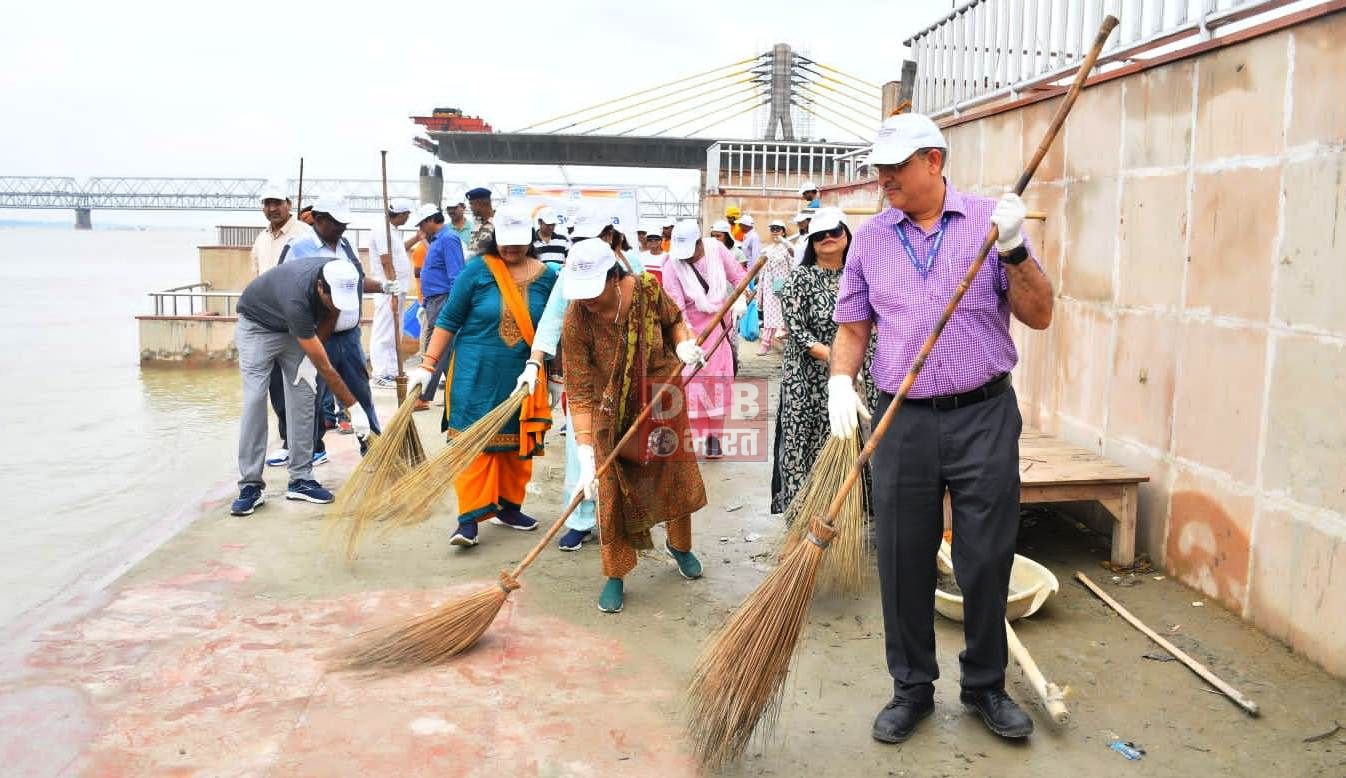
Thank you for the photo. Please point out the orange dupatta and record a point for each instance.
(535, 415)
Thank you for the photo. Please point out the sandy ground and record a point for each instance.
(206, 657)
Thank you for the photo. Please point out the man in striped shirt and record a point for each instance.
(549, 245)
(958, 428)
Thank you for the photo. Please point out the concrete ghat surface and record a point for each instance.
(207, 658)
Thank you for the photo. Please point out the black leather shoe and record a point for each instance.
(898, 719)
(1001, 714)
(713, 447)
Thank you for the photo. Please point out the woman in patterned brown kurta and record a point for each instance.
(619, 341)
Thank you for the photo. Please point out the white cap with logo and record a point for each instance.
(424, 212)
(776, 223)
(685, 235)
(547, 215)
(399, 205)
(902, 135)
(274, 190)
(826, 219)
(513, 226)
(344, 281)
(720, 225)
(746, 220)
(336, 207)
(803, 216)
(586, 269)
(807, 186)
(590, 222)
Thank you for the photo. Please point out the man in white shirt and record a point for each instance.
(801, 238)
(383, 338)
(281, 228)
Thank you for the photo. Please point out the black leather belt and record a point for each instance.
(993, 388)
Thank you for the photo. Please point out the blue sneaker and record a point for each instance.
(319, 458)
(309, 491)
(515, 519)
(278, 458)
(465, 535)
(249, 499)
(689, 566)
(613, 596)
(573, 539)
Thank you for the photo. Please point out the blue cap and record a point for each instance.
(480, 192)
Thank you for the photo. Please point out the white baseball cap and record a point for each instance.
(826, 219)
(586, 269)
(399, 205)
(776, 223)
(746, 220)
(335, 206)
(424, 212)
(344, 280)
(807, 186)
(547, 215)
(456, 198)
(685, 235)
(274, 190)
(721, 225)
(513, 226)
(668, 222)
(902, 135)
(590, 222)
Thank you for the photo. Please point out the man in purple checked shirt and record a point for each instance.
(959, 426)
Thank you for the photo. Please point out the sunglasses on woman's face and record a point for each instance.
(835, 232)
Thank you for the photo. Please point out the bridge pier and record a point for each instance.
(84, 218)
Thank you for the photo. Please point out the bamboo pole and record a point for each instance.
(1206, 675)
(1053, 699)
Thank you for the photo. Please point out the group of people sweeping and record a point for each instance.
(858, 305)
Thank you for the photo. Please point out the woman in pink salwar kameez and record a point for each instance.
(699, 275)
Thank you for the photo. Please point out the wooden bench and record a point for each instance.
(1051, 470)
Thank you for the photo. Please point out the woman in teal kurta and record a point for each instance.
(491, 349)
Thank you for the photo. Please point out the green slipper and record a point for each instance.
(688, 565)
(610, 600)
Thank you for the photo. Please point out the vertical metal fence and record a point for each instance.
(993, 49)
(777, 166)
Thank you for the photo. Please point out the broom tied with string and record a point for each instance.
(390, 455)
(447, 631)
(737, 682)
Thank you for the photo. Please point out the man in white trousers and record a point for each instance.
(384, 265)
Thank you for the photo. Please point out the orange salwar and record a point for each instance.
(495, 480)
(619, 556)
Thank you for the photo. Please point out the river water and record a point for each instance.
(96, 449)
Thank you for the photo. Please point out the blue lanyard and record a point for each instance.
(934, 248)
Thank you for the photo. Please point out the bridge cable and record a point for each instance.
(840, 72)
(665, 117)
(686, 118)
(682, 122)
(714, 88)
(644, 91)
(865, 100)
(718, 81)
(840, 108)
(835, 120)
(731, 116)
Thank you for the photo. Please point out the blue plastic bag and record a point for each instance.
(750, 324)
(411, 325)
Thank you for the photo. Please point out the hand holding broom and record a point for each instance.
(440, 635)
(738, 679)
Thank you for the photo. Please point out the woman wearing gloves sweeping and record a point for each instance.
(698, 276)
(489, 320)
(618, 338)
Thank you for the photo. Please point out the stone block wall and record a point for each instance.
(1197, 243)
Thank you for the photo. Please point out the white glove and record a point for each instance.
(1008, 217)
(528, 377)
(588, 483)
(690, 353)
(307, 373)
(843, 406)
(394, 286)
(359, 420)
(418, 377)
(740, 306)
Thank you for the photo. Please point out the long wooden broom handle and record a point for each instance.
(645, 412)
(834, 509)
(392, 298)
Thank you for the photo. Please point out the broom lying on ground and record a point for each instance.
(737, 681)
(447, 631)
(394, 452)
(848, 569)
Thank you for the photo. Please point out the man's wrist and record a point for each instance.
(1015, 256)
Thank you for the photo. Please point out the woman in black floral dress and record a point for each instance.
(807, 302)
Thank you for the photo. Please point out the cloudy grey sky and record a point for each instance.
(244, 88)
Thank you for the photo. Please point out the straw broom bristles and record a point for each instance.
(738, 680)
(847, 568)
(414, 496)
(390, 456)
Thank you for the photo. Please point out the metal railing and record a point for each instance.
(995, 49)
(194, 300)
(777, 166)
